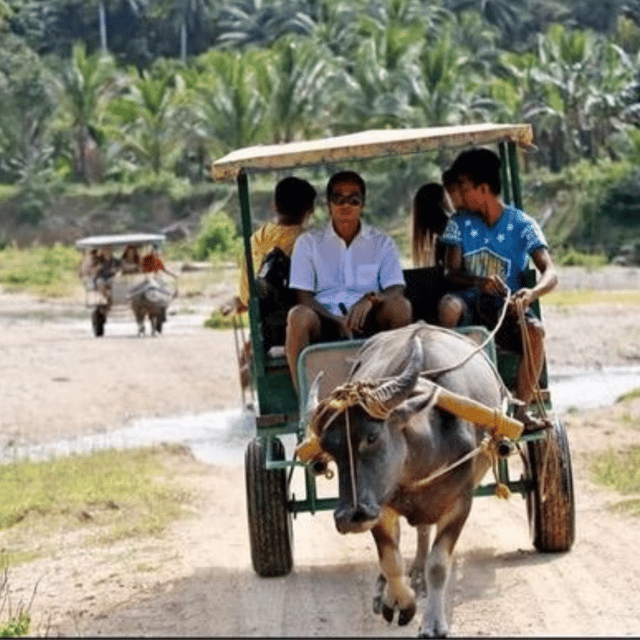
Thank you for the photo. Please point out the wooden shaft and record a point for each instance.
(479, 413)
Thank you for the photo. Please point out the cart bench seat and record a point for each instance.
(425, 286)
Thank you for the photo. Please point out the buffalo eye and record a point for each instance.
(370, 441)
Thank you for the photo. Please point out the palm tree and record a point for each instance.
(136, 7)
(563, 85)
(255, 22)
(27, 104)
(83, 87)
(144, 121)
(296, 81)
(187, 16)
(507, 15)
(383, 69)
(227, 107)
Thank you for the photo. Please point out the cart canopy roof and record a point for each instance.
(121, 240)
(374, 143)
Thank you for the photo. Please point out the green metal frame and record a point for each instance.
(278, 407)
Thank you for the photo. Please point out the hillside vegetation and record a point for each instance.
(116, 110)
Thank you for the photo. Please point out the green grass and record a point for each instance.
(50, 271)
(589, 296)
(126, 493)
(16, 625)
(217, 321)
(629, 395)
(13, 624)
(620, 470)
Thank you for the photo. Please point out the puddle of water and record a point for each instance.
(588, 389)
(221, 437)
(216, 438)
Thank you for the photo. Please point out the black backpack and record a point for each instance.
(272, 283)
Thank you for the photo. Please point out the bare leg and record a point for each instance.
(303, 327)
(393, 313)
(450, 311)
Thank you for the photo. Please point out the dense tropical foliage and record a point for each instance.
(146, 90)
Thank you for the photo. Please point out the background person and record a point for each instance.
(152, 263)
(430, 215)
(107, 266)
(489, 247)
(347, 275)
(130, 261)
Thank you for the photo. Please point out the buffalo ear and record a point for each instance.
(416, 407)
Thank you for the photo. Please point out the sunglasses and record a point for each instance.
(352, 201)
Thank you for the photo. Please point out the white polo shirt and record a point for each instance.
(322, 263)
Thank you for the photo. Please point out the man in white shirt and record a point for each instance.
(347, 275)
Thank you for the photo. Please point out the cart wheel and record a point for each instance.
(98, 320)
(270, 530)
(551, 503)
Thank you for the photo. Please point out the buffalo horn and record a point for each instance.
(314, 393)
(392, 392)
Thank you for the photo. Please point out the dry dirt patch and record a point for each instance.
(58, 381)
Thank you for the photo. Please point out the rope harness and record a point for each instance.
(350, 394)
(363, 394)
(359, 393)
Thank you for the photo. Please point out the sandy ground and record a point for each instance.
(59, 381)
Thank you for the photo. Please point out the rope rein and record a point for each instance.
(352, 470)
(432, 373)
(527, 354)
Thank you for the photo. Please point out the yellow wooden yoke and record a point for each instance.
(500, 424)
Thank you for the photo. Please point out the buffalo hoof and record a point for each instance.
(377, 605)
(438, 631)
(405, 616)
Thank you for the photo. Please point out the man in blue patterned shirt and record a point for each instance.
(489, 245)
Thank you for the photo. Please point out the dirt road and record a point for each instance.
(197, 579)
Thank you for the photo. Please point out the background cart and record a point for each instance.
(112, 283)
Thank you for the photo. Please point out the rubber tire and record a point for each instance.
(270, 529)
(552, 522)
(98, 320)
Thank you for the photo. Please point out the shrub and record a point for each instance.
(217, 321)
(218, 236)
(575, 258)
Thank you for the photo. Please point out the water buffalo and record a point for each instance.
(150, 298)
(386, 433)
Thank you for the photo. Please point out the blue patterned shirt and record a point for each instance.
(501, 249)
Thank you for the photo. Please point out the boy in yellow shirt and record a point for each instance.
(294, 200)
